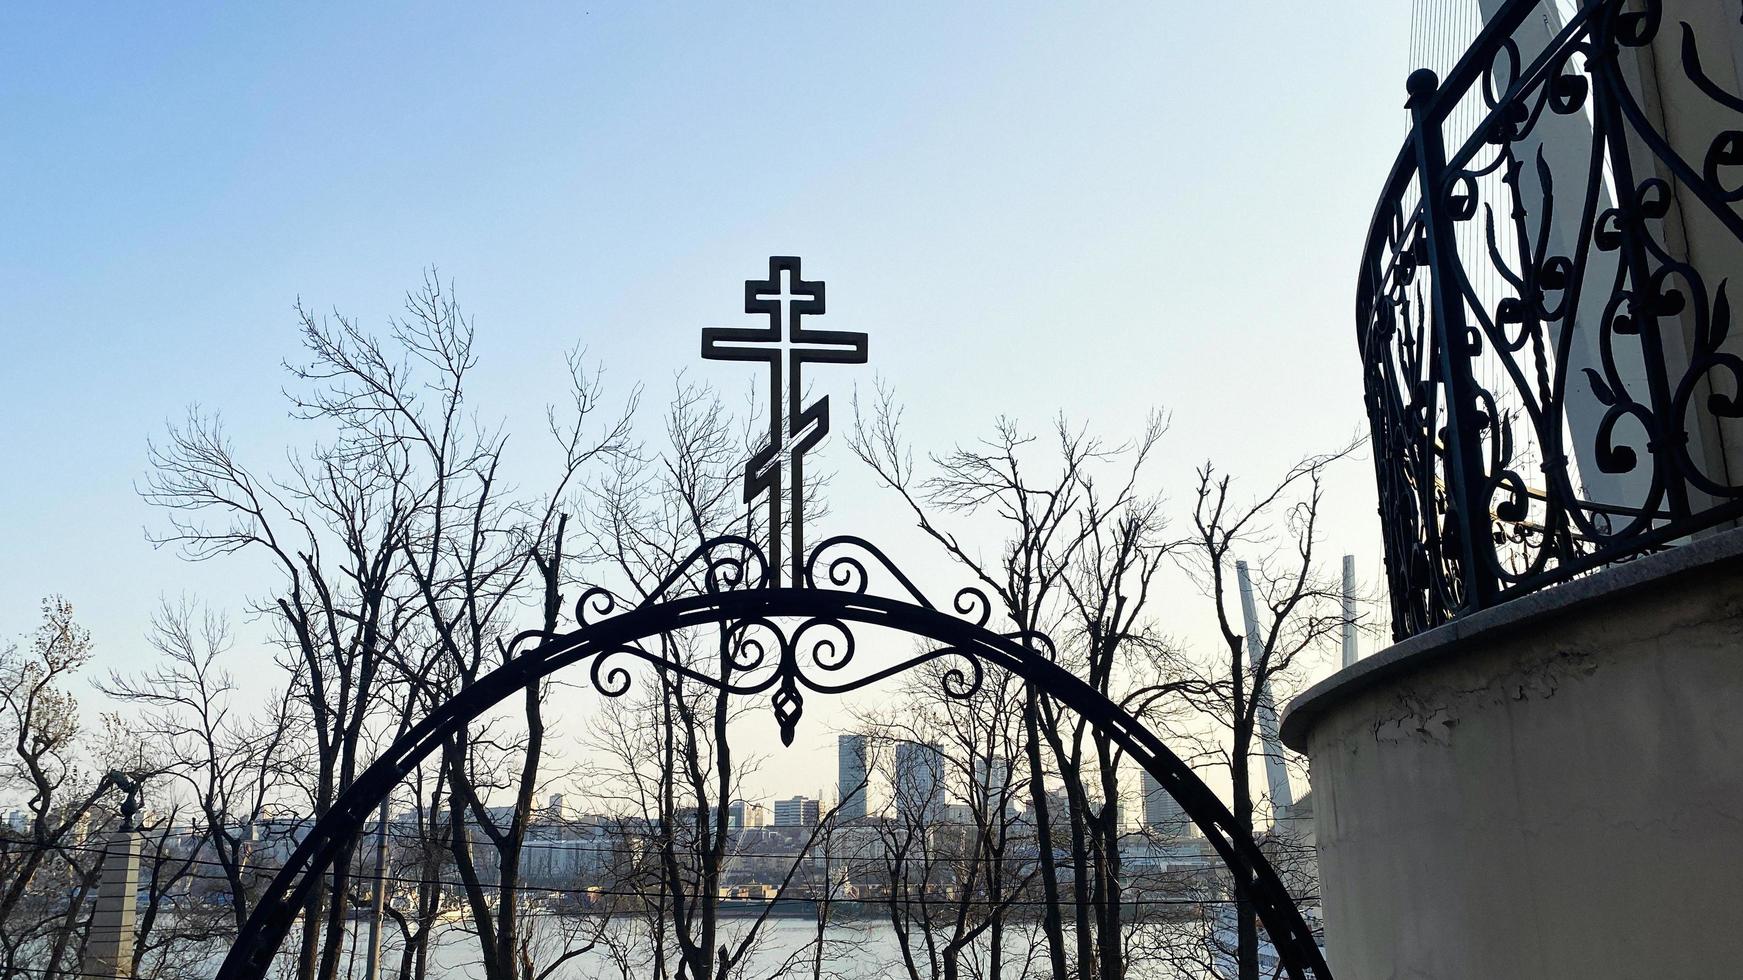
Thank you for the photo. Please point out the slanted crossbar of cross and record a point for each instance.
(786, 345)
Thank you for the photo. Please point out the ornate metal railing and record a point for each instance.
(1543, 309)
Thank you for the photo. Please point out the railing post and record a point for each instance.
(1454, 347)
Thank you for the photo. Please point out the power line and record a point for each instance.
(638, 893)
(571, 849)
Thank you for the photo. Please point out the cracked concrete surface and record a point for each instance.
(1559, 796)
(1431, 715)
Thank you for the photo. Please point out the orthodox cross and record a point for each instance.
(785, 297)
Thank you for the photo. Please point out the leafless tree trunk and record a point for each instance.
(950, 886)
(1076, 561)
(40, 725)
(1299, 610)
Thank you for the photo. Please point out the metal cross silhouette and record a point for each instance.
(785, 296)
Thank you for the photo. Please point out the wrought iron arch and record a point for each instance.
(805, 627)
(784, 620)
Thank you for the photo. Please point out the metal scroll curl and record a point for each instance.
(787, 658)
(843, 562)
(845, 568)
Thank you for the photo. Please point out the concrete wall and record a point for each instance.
(1553, 788)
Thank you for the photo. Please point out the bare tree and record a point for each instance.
(230, 764)
(952, 877)
(474, 557)
(1080, 543)
(1299, 610)
(405, 561)
(334, 533)
(1111, 643)
(46, 873)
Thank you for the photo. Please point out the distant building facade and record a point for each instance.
(797, 811)
(850, 765)
(919, 781)
(743, 814)
(1162, 812)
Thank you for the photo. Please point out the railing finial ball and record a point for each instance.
(1421, 84)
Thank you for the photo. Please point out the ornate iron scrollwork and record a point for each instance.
(1546, 355)
(788, 658)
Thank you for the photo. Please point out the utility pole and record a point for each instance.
(378, 900)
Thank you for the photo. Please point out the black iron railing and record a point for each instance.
(1544, 305)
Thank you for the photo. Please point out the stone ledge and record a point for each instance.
(1454, 638)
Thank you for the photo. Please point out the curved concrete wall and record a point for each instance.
(1552, 788)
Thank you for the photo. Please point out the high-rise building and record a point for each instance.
(559, 808)
(993, 780)
(850, 765)
(797, 811)
(919, 780)
(1162, 812)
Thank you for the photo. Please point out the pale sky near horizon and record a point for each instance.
(1093, 209)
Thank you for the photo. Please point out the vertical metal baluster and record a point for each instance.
(1452, 346)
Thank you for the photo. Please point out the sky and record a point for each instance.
(1031, 209)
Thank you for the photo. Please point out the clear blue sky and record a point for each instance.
(1097, 208)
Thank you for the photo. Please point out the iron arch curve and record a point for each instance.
(726, 603)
